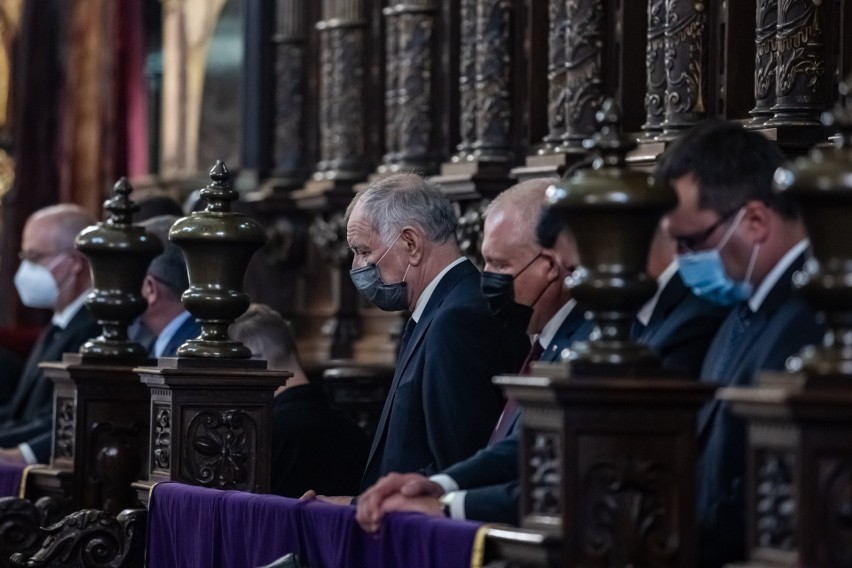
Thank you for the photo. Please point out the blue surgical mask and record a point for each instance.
(387, 297)
(704, 273)
(36, 284)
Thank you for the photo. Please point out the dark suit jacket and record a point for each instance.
(681, 327)
(30, 413)
(491, 475)
(314, 445)
(442, 405)
(779, 329)
(189, 329)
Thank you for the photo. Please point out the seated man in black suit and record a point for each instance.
(314, 445)
(739, 245)
(675, 323)
(166, 324)
(442, 406)
(485, 486)
(52, 275)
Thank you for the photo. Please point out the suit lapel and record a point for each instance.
(441, 292)
(564, 336)
(670, 297)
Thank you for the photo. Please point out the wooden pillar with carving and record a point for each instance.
(593, 52)
(800, 422)
(488, 121)
(211, 406)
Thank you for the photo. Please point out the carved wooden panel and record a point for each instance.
(493, 79)
(775, 499)
(629, 501)
(544, 462)
(161, 434)
(556, 73)
(217, 447)
(63, 436)
(686, 52)
(834, 510)
(467, 78)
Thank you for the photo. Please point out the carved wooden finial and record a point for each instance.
(120, 207)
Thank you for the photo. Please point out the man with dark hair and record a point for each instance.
(314, 445)
(739, 245)
(52, 275)
(166, 324)
(442, 406)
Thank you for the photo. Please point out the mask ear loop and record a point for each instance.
(389, 248)
(730, 232)
(752, 261)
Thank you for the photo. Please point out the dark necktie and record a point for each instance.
(510, 410)
(407, 332)
(735, 330)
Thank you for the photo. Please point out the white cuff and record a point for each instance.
(446, 482)
(456, 499)
(28, 454)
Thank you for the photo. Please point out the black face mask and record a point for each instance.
(499, 292)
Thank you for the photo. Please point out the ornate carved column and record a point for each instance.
(487, 124)
(655, 69)
(289, 145)
(411, 64)
(800, 86)
(765, 60)
(800, 422)
(686, 65)
(343, 126)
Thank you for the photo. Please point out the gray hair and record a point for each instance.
(407, 199)
(268, 335)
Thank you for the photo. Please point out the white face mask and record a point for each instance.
(36, 285)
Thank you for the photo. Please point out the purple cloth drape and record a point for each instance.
(189, 527)
(10, 479)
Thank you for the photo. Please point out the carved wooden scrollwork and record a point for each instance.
(800, 72)
(686, 81)
(775, 500)
(90, 539)
(220, 443)
(655, 68)
(493, 78)
(584, 36)
(469, 231)
(20, 520)
(161, 439)
(765, 59)
(631, 509)
(544, 473)
(328, 233)
(63, 446)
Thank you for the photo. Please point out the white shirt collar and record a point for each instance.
(169, 332)
(548, 332)
(644, 315)
(63, 318)
(427, 292)
(777, 271)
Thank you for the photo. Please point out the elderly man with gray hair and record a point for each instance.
(442, 406)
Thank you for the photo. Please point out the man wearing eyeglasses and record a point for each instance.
(52, 275)
(739, 244)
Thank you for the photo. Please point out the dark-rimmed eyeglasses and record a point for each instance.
(694, 242)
